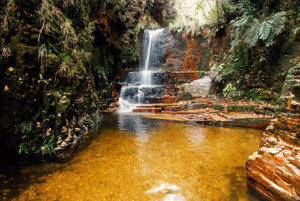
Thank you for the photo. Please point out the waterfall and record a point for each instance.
(144, 85)
(152, 39)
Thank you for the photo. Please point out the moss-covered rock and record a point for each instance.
(240, 108)
(58, 59)
(182, 96)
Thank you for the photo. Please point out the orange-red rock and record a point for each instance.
(274, 170)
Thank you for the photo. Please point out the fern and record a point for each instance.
(252, 34)
(265, 30)
(237, 34)
(273, 25)
(277, 21)
(248, 30)
(241, 22)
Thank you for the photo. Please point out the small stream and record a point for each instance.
(136, 158)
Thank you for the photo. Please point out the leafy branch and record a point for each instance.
(248, 30)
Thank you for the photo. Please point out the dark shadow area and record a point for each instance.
(254, 194)
(235, 181)
(18, 173)
(221, 32)
(20, 177)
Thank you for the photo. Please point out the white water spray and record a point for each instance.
(133, 95)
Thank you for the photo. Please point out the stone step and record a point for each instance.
(170, 93)
(148, 106)
(158, 105)
(148, 109)
(173, 108)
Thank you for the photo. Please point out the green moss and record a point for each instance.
(267, 111)
(184, 96)
(203, 64)
(58, 62)
(240, 108)
(218, 107)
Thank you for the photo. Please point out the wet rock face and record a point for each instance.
(187, 52)
(157, 78)
(158, 51)
(151, 94)
(274, 170)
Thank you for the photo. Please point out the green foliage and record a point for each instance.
(184, 96)
(254, 67)
(33, 146)
(248, 30)
(240, 108)
(246, 7)
(218, 107)
(52, 60)
(27, 128)
(291, 84)
(264, 30)
(229, 90)
(6, 52)
(49, 145)
(253, 33)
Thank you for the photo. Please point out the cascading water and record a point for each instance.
(145, 85)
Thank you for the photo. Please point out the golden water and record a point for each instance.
(135, 158)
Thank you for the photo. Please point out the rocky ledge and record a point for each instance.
(75, 133)
(210, 111)
(274, 170)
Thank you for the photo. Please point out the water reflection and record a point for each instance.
(196, 137)
(171, 192)
(136, 124)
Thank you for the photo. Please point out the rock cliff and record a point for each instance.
(274, 170)
(58, 59)
(190, 52)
